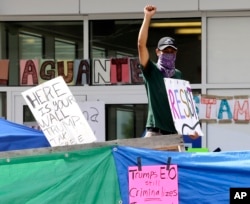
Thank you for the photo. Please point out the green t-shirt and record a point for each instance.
(159, 113)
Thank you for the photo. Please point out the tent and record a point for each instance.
(15, 136)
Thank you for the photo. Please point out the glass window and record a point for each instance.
(123, 54)
(28, 118)
(125, 121)
(41, 40)
(65, 49)
(98, 52)
(124, 124)
(119, 38)
(3, 111)
(31, 46)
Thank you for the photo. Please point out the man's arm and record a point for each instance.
(149, 11)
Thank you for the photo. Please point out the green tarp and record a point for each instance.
(86, 176)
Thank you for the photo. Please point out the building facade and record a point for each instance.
(213, 43)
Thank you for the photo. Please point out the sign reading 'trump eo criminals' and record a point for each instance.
(58, 114)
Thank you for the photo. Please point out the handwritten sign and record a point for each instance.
(94, 112)
(153, 184)
(207, 108)
(182, 106)
(58, 114)
(29, 72)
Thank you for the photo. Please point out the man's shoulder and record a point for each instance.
(149, 66)
(178, 74)
(177, 70)
(151, 63)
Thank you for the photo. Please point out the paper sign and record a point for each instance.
(101, 71)
(29, 72)
(153, 184)
(207, 108)
(58, 114)
(120, 72)
(182, 106)
(94, 112)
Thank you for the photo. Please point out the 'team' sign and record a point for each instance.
(182, 106)
(223, 109)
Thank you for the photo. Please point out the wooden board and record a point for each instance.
(163, 142)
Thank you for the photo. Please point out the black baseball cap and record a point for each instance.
(166, 42)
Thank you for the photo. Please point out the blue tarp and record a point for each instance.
(15, 136)
(202, 177)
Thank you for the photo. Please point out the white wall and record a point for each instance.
(130, 6)
(228, 50)
(47, 7)
(215, 5)
(34, 7)
(228, 74)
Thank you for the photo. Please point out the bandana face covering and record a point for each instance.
(166, 64)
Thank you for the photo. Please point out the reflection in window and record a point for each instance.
(123, 54)
(3, 105)
(114, 36)
(27, 114)
(65, 49)
(30, 45)
(28, 118)
(41, 40)
(124, 124)
(125, 121)
(98, 52)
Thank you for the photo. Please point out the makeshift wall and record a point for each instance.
(87, 177)
(100, 175)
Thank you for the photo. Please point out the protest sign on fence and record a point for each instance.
(58, 114)
(153, 184)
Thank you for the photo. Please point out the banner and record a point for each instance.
(223, 109)
(104, 71)
(182, 106)
(58, 114)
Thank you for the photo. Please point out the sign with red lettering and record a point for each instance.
(29, 72)
(182, 107)
(4, 71)
(208, 108)
(58, 114)
(153, 184)
(119, 73)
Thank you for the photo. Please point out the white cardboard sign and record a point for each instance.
(182, 107)
(58, 114)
